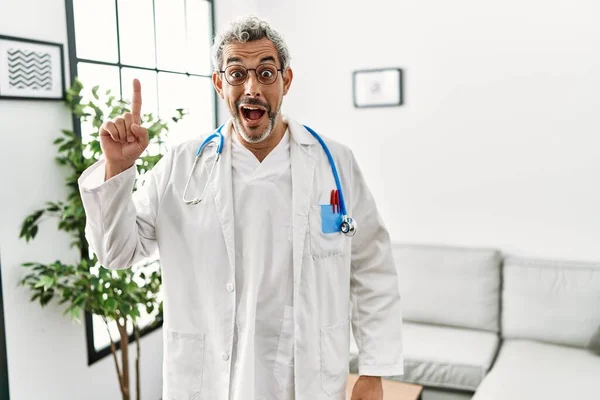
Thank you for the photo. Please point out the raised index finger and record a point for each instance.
(136, 102)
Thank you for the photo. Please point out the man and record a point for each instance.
(256, 296)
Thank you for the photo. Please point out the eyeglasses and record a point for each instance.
(238, 74)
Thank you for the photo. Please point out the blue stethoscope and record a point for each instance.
(348, 225)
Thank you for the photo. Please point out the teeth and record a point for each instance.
(251, 108)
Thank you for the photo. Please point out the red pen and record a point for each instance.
(332, 201)
(336, 200)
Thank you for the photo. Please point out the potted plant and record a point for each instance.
(120, 297)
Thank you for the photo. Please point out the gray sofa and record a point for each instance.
(484, 326)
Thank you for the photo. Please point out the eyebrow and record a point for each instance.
(231, 60)
(268, 58)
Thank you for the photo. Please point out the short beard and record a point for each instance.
(237, 123)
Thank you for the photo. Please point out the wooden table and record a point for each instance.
(392, 390)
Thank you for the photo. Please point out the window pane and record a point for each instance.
(148, 81)
(96, 41)
(107, 77)
(101, 338)
(202, 106)
(94, 74)
(136, 33)
(170, 35)
(172, 94)
(199, 33)
(193, 94)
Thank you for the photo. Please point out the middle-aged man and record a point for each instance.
(260, 285)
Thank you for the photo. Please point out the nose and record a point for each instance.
(252, 86)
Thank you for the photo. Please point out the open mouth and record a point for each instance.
(253, 115)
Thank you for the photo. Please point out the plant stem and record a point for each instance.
(113, 350)
(124, 357)
(136, 331)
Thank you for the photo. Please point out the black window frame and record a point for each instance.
(93, 354)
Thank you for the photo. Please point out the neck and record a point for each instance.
(261, 150)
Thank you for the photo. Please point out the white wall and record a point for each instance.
(47, 356)
(498, 143)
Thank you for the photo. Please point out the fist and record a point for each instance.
(123, 139)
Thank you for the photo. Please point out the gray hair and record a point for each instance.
(247, 29)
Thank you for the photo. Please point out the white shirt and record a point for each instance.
(263, 348)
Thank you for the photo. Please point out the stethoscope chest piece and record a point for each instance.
(348, 227)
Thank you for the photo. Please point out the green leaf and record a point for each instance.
(46, 297)
(46, 282)
(111, 304)
(75, 314)
(28, 264)
(135, 313)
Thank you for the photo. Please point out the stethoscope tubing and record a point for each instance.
(348, 224)
(333, 169)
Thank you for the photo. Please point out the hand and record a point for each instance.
(367, 388)
(122, 139)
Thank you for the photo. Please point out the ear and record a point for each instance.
(218, 83)
(288, 75)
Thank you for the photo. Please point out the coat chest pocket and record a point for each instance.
(184, 364)
(323, 245)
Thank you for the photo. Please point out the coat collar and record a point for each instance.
(299, 133)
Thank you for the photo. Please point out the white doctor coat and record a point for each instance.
(338, 281)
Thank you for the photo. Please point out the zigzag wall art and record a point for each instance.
(31, 69)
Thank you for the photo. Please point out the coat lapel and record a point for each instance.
(223, 193)
(303, 168)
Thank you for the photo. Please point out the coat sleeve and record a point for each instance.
(120, 225)
(376, 308)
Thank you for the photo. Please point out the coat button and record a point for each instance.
(230, 287)
(225, 356)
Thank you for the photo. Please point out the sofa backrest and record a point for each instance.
(449, 285)
(550, 301)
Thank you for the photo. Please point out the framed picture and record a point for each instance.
(31, 69)
(377, 87)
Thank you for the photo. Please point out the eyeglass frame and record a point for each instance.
(248, 73)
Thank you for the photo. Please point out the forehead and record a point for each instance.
(249, 52)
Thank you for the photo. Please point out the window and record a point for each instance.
(163, 43)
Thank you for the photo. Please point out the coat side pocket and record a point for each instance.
(335, 344)
(184, 364)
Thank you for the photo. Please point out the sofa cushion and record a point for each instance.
(449, 285)
(442, 356)
(528, 370)
(551, 301)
